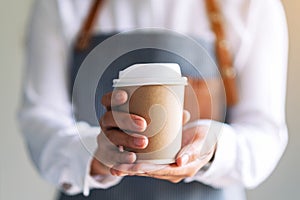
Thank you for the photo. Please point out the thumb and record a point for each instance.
(186, 116)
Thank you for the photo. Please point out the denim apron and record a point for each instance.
(141, 188)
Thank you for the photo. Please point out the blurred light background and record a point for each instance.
(18, 178)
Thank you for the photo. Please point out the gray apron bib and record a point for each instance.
(141, 188)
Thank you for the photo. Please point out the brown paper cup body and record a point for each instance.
(161, 106)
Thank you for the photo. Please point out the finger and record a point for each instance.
(123, 157)
(173, 179)
(119, 138)
(185, 156)
(168, 170)
(190, 156)
(192, 141)
(186, 117)
(125, 171)
(115, 98)
(167, 178)
(138, 168)
(175, 171)
(102, 168)
(190, 152)
(122, 170)
(111, 157)
(116, 172)
(124, 121)
(98, 168)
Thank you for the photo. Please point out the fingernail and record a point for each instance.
(140, 124)
(184, 159)
(139, 141)
(187, 116)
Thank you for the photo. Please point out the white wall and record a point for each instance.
(18, 177)
(285, 181)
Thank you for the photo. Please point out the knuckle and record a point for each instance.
(103, 100)
(118, 119)
(101, 122)
(128, 141)
(116, 138)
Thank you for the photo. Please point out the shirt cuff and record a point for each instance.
(225, 155)
(77, 174)
(99, 181)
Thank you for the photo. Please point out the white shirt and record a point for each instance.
(249, 147)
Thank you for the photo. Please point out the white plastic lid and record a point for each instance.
(150, 74)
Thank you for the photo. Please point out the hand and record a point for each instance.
(109, 154)
(189, 160)
(112, 139)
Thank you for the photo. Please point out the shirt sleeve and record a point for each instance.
(45, 114)
(251, 145)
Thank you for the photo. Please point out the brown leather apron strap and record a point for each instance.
(85, 32)
(223, 54)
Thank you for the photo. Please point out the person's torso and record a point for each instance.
(132, 188)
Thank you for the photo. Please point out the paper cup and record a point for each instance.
(156, 93)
